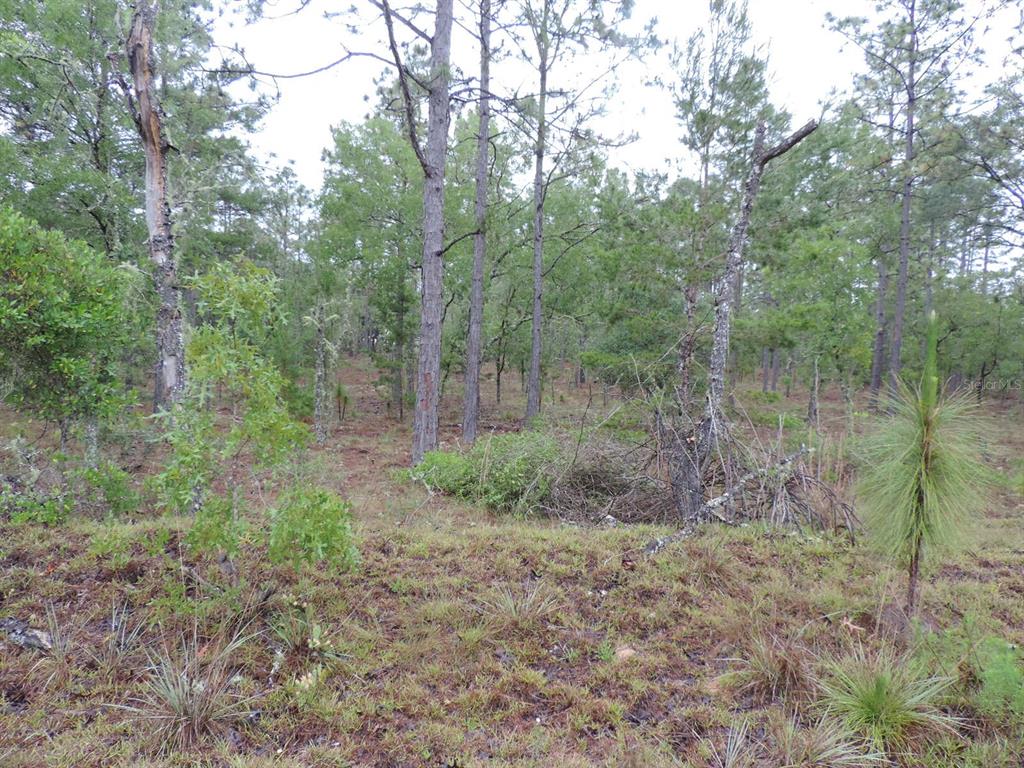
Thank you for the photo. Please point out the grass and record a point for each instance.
(190, 693)
(881, 697)
(470, 638)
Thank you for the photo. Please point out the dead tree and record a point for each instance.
(694, 449)
(144, 105)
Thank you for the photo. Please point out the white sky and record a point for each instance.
(807, 62)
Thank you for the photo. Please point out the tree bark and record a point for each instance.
(881, 332)
(433, 159)
(170, 336)
(711, 425)
(533, 385)
(896, 348)
(812, 401)
(471, 404)
(690, 455)
(320, 383)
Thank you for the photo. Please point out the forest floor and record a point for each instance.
(463, 638)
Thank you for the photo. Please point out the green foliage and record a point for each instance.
(311, 525)
(33, 507)
(884, 698)
(216, 527)
(508, 473)
(923, 479)
(1001, 693)
(224, 358)
(106, 487)
(62, 322)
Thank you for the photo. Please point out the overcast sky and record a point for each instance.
(807, 64)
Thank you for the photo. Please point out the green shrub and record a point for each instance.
(107, 487)
(1001, 694)
(298, 399)
(771, 419)
(33, 507)
(517, 470)
(216, 527)
(63, 322)
(508, 473)
(456, 474)
(310, 525)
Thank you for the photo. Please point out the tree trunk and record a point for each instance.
(533, 386)
(471, 404)
(712, 423)
(170, 337)
(428, 374)
(881, 329)
(896, 348)
(766, 356)
(320, 384)
(690, 454)
(776, 367)
(92, 441)
(687, 347)
(812, 401)
(913, 575)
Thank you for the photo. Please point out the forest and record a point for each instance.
(483, 447)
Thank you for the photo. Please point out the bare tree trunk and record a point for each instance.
(92, 441)
(766, 357)
(533, 386)
(433, 159)
(690, 455)
(881, 331)
(712, 423)
(320, 382)
(170, 337)
(913, 574)
(776, 367)
(397, 372)
(471, 404)
(687, 346)
(812, 402)
(896, 348)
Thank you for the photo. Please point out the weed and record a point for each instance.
(121, 642)
(739, 752)
(312, 525)
(299, 631)
(59, 650)
(1001, 694)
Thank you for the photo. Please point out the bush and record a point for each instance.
(62, 322)
(33, 507)
(508, 473)
(108, 488)
(310, 525)
(1001, 694)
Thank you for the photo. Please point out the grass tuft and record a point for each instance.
(189, 694)
(883, 699)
